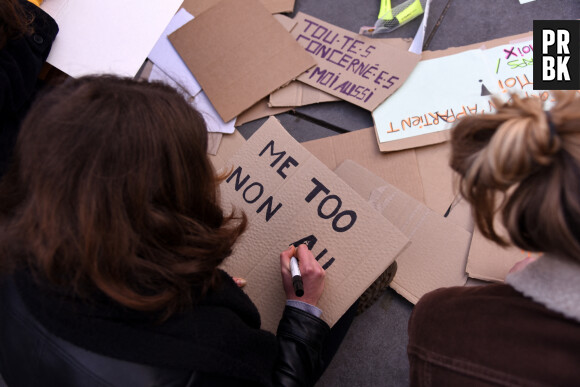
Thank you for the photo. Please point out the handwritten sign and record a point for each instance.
(436, 94)
(444, 89)
(513, 65)
(290, 197)
(353, 67)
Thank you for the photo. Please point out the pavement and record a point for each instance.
(374, 350)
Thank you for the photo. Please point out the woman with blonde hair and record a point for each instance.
(520, 165)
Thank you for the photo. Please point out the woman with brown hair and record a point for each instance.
(111, 234)
(26, 36)
(522, 164)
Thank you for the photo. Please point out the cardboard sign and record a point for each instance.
(106, 36)
(290, 197)
(454, 83)
(437, 93)
(274, 6)
(353, 67)
(437, 254)
(239, 54)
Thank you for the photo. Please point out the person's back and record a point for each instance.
(526, 163)
(111, 239)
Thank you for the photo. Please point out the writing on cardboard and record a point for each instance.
(348, 53)
(350, 66)
(472, 77)
(325, 204)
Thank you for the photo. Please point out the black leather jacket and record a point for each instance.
(30, 355)
(20, 63)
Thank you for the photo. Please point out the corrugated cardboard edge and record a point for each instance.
(414, 142)
(299, 94)
(195, 7)
(444, 135)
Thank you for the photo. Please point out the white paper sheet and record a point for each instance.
(106, 36)
(213, 121)
(167, 59)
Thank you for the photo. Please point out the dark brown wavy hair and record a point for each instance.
(14, 22)
(111, 187)
(513, 164)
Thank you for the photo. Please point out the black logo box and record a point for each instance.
(572, 63)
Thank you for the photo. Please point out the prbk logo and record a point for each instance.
(556, 54)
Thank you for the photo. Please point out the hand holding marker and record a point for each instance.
(311, 274)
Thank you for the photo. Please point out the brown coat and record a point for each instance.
(491, 335)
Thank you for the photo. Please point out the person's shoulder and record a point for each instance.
(449, 311)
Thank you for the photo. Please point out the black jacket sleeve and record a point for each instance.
(21, 61)
(300, 339)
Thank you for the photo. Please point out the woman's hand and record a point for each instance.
(311, 271)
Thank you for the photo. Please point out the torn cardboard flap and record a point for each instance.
(239, 54)
(228, 146)
(437, 254)
(350, 66)
(289, 196)
(299, 94)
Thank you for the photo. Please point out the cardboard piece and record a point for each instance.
(259, 110)
(289, 196)
(274, 6)
(437, 93)
(462, 81)
(422, 173)
(229, 145)
(83, 46)
(299, 94)
(239, 54)
(490, 262)
(437, 254)
(358, 69)
(213, 142)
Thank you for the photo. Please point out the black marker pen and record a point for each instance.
(296, 277)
